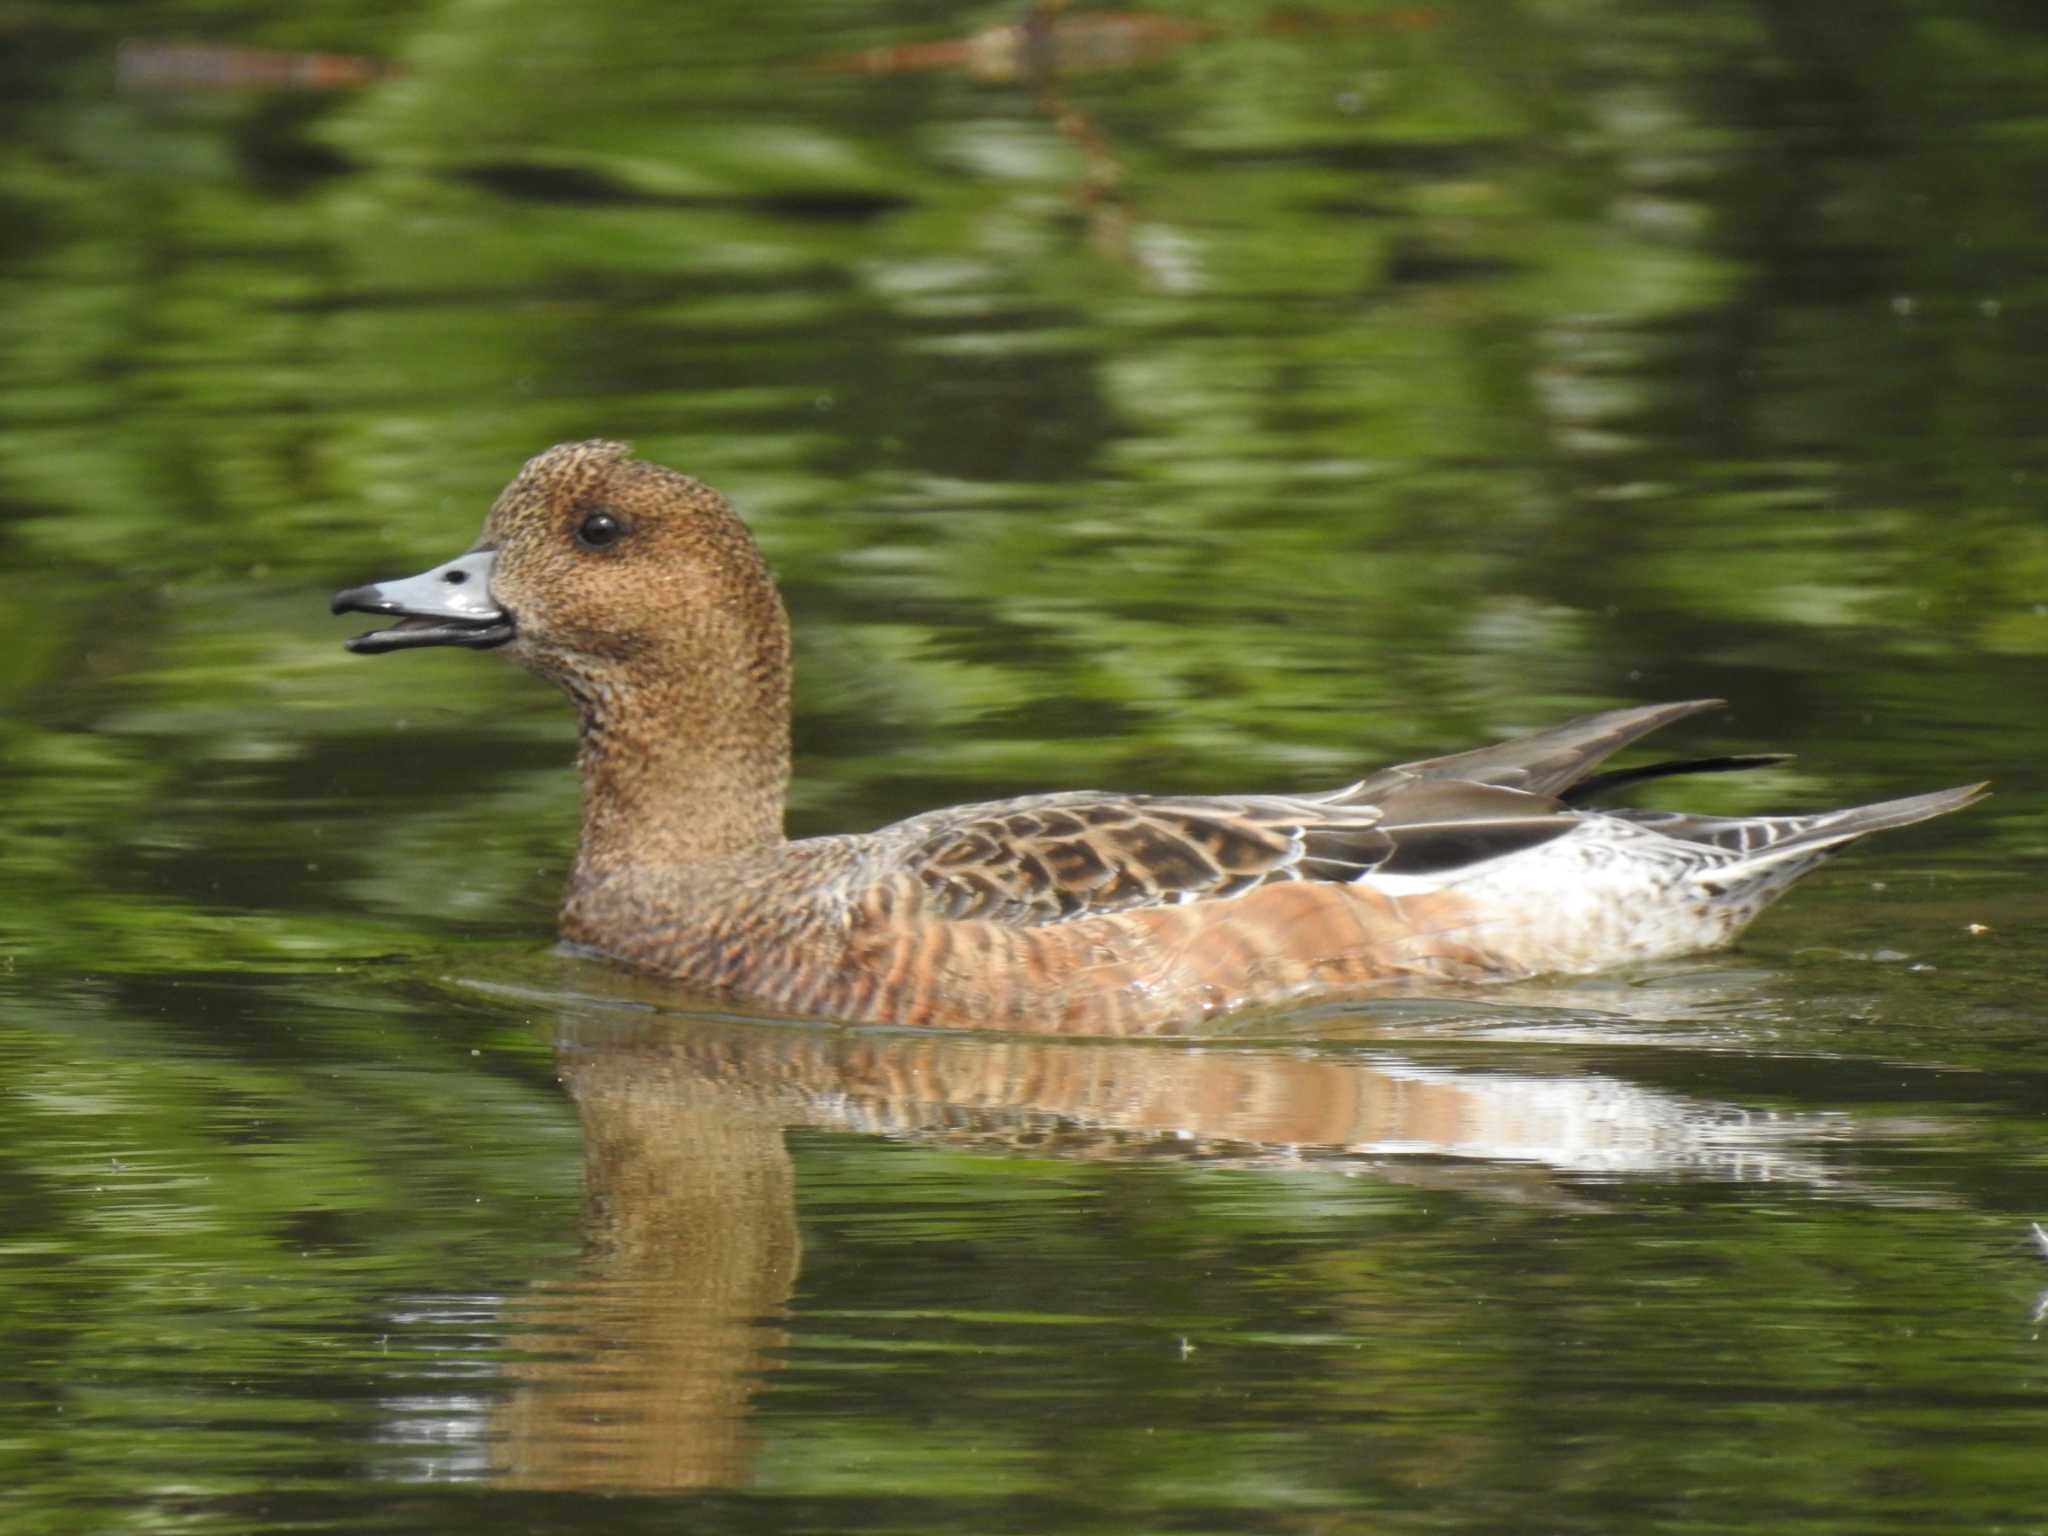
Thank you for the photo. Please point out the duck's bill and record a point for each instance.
(414, 631)
(449, 605)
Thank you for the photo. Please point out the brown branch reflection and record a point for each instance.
(641, 1370)
(1053, 43)
(1055, 38)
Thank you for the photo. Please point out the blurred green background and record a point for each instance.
(1205, 399)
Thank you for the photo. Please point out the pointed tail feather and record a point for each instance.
(1805, 840)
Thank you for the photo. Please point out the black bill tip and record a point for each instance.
(361, 600)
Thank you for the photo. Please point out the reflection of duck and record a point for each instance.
(641, 1369)
(641, 593)
(1239, 1104)
(651, 1353)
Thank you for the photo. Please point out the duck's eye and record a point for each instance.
(600, 530)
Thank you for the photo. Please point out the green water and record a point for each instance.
(1319, 390)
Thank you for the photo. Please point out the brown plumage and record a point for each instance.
(640, 592)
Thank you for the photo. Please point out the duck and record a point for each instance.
(640, 592)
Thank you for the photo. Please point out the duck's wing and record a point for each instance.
(1068, 856)
(1551, 762)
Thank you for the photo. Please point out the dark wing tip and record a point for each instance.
(1614, 778)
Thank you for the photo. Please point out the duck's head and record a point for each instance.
(593, 568)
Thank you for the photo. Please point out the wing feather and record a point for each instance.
(1053, 858)
(1546, 763)
(1068, 856)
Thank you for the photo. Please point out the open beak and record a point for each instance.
(449, 605)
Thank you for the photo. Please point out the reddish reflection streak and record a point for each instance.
(1049, 41)
(145, 64)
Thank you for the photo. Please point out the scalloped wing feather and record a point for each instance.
(1069, 856)
(1056, 857)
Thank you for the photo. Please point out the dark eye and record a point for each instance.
(600, 530)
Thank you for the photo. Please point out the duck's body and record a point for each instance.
(641, 593)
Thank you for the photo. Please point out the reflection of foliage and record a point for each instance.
(1433, 434)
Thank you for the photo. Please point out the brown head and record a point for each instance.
(641, 593)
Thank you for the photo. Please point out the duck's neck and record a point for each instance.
(685, 767)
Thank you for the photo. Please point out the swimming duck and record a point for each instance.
(641, 593)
